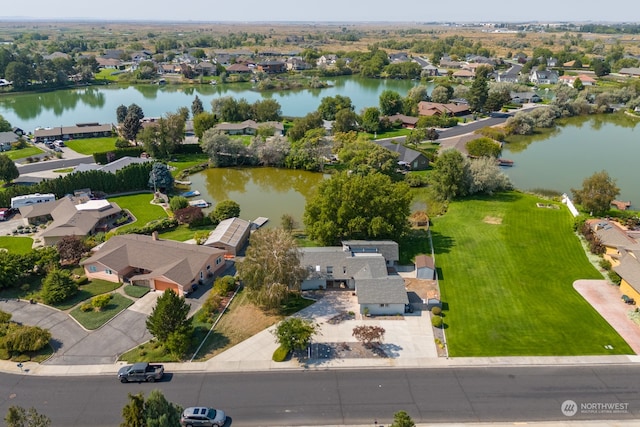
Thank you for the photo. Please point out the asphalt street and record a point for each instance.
(339, 397)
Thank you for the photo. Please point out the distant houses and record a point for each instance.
(80, 130)
(249, 127)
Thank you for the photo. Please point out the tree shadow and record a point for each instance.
(442, 244)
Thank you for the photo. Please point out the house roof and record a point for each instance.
(229, 232)
(610, 234)
(432, 108)
(238, 68)
(8, 137)
(404, 154)
(70, 130)
(345, 264)
(177, 261)
(423, 261)
(629, 270)
(388, 248)
(388, 290)
(404, 119)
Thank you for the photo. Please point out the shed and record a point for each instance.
(230, 235)
(425, 267)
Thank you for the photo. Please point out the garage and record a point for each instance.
(160, 285)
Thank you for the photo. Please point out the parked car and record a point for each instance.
(58, 143)
(199, 416)
(139, 372)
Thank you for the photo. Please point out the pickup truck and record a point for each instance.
(139, 372)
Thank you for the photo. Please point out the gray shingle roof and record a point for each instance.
(389, 290)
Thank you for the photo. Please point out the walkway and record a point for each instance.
(605, 299)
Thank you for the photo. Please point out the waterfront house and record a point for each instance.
(80, 130)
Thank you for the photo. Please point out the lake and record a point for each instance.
(99, 103)
(562, 158)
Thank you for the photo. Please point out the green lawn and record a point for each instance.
(16, 245)
(92, 145)
(107, 74)
(23, 153)
(139, 205)
(506, 273)
(183, 232)
(391, 133)
(136, 291)
(94, 319)
(88, 291)
(185, 161)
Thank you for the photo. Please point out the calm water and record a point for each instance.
(562, 159)
(267, 192)
(99, 103)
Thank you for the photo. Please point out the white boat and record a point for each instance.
(192, 193)
(200, 203)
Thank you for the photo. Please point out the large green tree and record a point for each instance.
(5, 126)
(479, 91)
(271, 267)
(295, 333)
(162, 138)
(203, 122)
(156, 411)
(450, 177)
(597, 193)
(196, 106)
(160, 177)
(224, 210)
(169, 321)
(17, 416)
(390, 102)
(224, 151)
(8, 169)
(58, 286)
(354, 206)
(330, 105)
(371, 119)
(363, 156)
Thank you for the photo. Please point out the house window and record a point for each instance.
(201, 275)
(384, 305)
(329, 269)
(208, 267)
(92, 269)
(344, 270)
(108, 271)
(218, 260)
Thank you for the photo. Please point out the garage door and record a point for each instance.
(163, 286)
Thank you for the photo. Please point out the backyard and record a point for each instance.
(506, 270)
(140, 207)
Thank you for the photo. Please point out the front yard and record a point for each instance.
(506, 271)
(89, 146)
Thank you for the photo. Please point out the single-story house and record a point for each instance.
(524, 97)
(238, 69)
(436, 109)
(464, 74)
(411, 158)
(158, 264)
(425, 267)
(622, 249)
(570, 80)
(630, 71)
(408, 122)
(80, 130)
(112, 167)
(249, 127)
(70, 218)
(360, 266)
(272, 67)
(206, 68)
(7, 139)
(230, 235)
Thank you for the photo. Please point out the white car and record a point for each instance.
(200, 416)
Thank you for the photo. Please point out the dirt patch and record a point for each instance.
(422, 287)
(342, 350)
(492, 220)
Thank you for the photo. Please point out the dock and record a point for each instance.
(622, 205)
(259, 222)
(182, 182)
(505, 162)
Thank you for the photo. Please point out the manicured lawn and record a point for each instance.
(185, 161)
(88, 291)
(16, 245)
(135, 291)
(391, 133)
(23, 153)
(140, 206)
(92, 145)
(506, 273)
(94, 319)
(107, 74)
(183, 232)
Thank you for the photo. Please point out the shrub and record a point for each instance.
(4, 354)
(225, 284)
(369, 335)
(436, 311)
(211, 305)
(86, 307)
(605, 264)
(280, 355)
(615, 277)
(58, 286)
(26, 338)
(436, 321)
(101, 301)
(82, 281)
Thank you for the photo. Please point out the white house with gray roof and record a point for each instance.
(362, 266)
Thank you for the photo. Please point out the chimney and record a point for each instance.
(154, 235)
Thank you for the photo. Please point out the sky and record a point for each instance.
(327, 10)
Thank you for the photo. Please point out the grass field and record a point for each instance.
(92, 145)
(185, 161)
(16, 245)
(506, 272)
(88, 291)
(94, 319)
(22, 153)
(183, 232)
(140, 206)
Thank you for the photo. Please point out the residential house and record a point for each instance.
(151, 262)
(272, 67)
(407, 157)
(297, 64)
(113, 54)
(238, 68)
(7, 139)
(552, 62)
(109, 63)
(360, 266)
(425, 267)
(5, 82)
(511, 75)
(56, 55)
(230, 235)
(249, 127)
(436, 109)
(399, 57)
(449, 63)
(543, 77)
(326, 60)
(205, 68)
(524, 97)
(80, 130)
(169, 69)
(622, 250)
(408, 122)
(70, 218)
(630, 71)
(570, 80)
(464, 74)
(431, 70)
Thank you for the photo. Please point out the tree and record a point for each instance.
(101, 301)
(288, 222)
(441, 94)
(196, 107)
(295, 333)
(23, 339)
(178, 202)
(486, 176)
(597, 193)
(484, 147)
(271, 151)
(131, 126)
(450, 175)
(331, 105)
(369, 335)
(135, 110)
(224, 151)
(402, 419)
(304, 124)
(57, 286)
(162, 138)
(497, 98)
(479, 91)
(203, 122)
(432, 134)
(17, 416)
(371, 120)
(5, 126)
(71, 249)
(159, 412)
(133, 412)
(18, 73)
(266, 110)
(8, 169)
(160, 177)
(189, 215)
(121, 113)
(271, 268)
(345, 121)
(390, 102)
(354, 206)
(600, 67)
(577, 84)
(364, 156)
(418, 93)
(224, 210)
(169, 315)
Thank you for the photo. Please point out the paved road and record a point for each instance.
(304, 398)
(54, 164)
